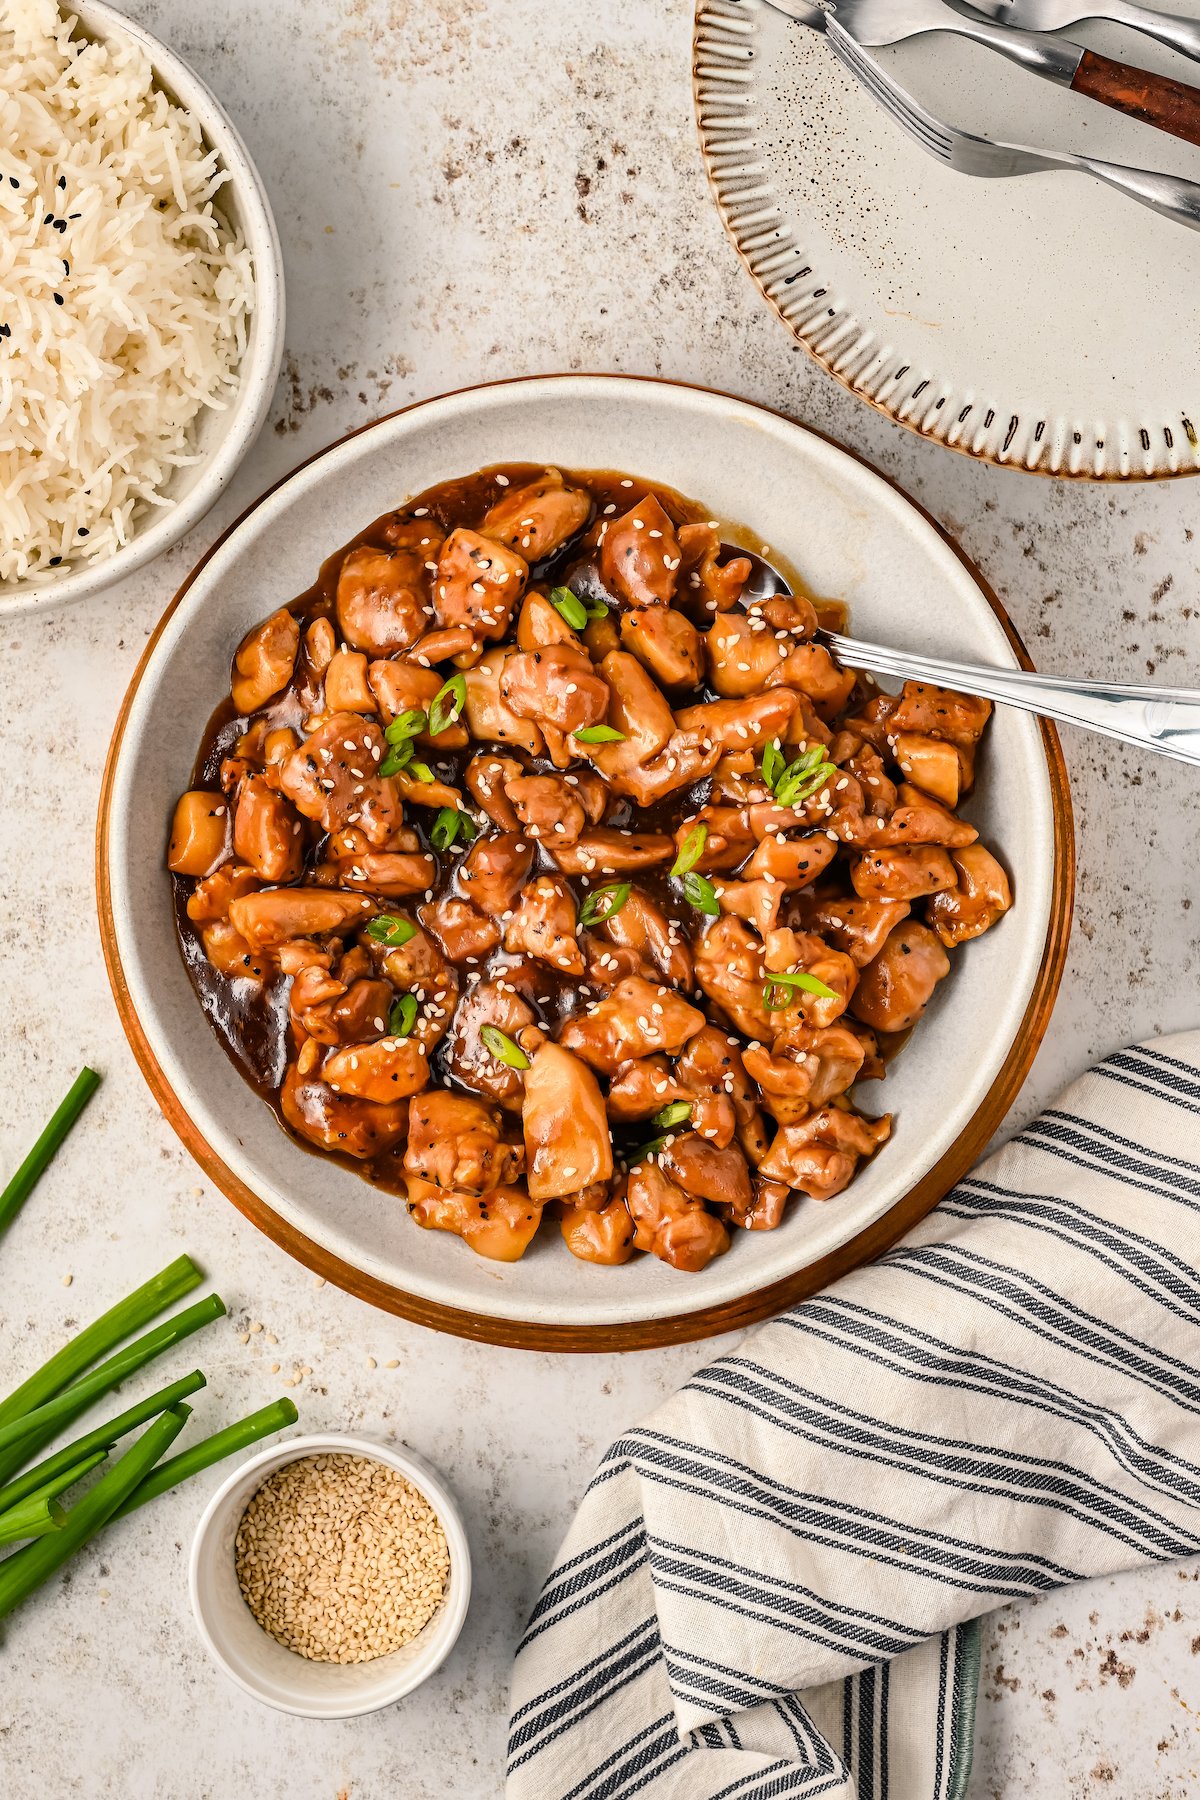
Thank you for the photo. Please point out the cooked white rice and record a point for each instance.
(124, 299)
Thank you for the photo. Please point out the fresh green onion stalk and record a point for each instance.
(103, 1335)
(34, 1518)
(20, 1438)
(50, 1490)
(21, 1573)
(101, 1439)
(30, 1511)
(275, 1417)
(31, 1170)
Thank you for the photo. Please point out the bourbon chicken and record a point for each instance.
(543, 863)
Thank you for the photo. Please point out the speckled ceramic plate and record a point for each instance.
(851, 534)
(1046, 322)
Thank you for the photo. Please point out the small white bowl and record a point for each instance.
(224, 437)
(280, 1677)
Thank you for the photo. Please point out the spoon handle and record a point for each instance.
(1169, 28)
(1166, 720)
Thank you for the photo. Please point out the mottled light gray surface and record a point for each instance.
(468, 190)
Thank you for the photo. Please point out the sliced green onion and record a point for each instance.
(596, 609)
(41, 1422)
(573, 610)
(98, 1338)
(503, 1048)
(792, 793)
(406, 726)
(795, 781)
(614, 898)
(444, 829)
(599, 734)
(772, 763)
(691, 850)
(397, 759)
(389, 929)
(803, 777)
(275, 1417)
(447, 703)
(101, 1439)
(27, 1569)
(789, 979)
(674, 1114)
(800, 978)
(643, 1152)
(699, 892)
(19, 1188)
(33, 1518)
(421, 770)
(810, 755)
(403, 1016)
(449, 826)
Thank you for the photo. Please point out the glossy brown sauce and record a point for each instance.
(251, 1018)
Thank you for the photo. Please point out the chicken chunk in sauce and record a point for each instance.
(455, 1141)
(568, 1144)
(541, 858)
(382, 598)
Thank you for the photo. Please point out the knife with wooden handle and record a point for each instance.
(1170, 105)
(1157, 100)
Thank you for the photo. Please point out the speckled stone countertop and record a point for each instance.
(468, 189)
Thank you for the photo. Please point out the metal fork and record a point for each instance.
(969, 154)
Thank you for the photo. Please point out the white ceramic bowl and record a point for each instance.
(849, 533)
(280, 1677)
(224, 437)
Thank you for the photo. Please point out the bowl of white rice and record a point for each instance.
(141, 300)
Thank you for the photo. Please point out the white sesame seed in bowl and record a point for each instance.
(330, 1575)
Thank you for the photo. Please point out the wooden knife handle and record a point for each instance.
(1170, 105)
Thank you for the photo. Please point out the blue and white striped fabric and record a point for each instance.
(771, 1585)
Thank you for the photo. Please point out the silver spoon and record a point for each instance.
(1052, 15)
(1163, 719)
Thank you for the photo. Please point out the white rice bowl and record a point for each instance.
(125, 298)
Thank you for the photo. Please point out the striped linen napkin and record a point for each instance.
(772, 1586)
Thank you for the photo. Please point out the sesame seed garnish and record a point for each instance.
(339, 1558)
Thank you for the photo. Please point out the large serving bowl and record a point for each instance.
(852, 535)
(222, 437)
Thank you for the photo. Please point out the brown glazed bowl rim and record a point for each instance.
(705, 1320)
